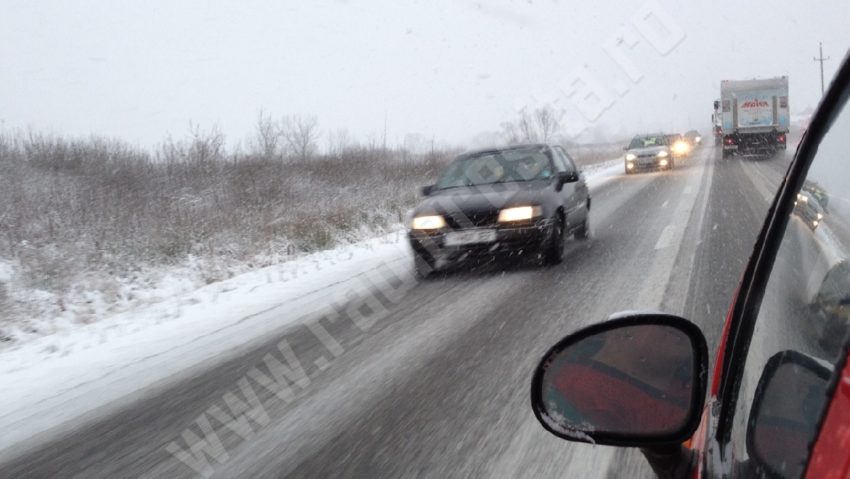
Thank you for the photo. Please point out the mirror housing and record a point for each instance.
(782, 424)
(567, 177)
(636, 380)
(426, 190)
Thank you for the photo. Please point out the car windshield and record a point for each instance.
(648, 141)
(497, 167)
(331, 238)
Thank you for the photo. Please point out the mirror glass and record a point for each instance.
(786, 412)
(633, 380)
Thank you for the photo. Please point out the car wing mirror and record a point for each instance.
(625, 148)
(636, 380)
(787, 406)
(567, 176)
(427, 190)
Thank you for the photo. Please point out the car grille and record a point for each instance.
(460, 221)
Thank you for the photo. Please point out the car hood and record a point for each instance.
(483, 199)
(653, 150)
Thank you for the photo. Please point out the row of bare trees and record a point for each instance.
(288, 137)
(295, 137)
(541, 124)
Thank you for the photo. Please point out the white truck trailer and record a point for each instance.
(755, 117)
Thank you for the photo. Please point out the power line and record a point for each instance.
(821, 59)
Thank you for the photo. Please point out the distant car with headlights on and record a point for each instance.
(693, 138)
(648, 152)
(512, 201)
(680, 147)
(808, 208)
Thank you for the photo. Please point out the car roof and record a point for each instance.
(650, 135)
(518, 146)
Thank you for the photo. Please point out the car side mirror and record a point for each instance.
(568, 176)
(786, 411)
(427, 190)
(636, 380)
(625, 148)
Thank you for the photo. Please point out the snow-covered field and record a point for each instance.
(51, 379)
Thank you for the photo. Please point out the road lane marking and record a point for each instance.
(763, 185)
(653, 294)
(666, 238)
(664, 205)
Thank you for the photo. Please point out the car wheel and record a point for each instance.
(554, 249)
(583, 231)
(423, 266)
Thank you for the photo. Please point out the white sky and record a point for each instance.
(444, 68)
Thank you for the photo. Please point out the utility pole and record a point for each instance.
(821, 59)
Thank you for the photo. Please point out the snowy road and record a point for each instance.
(436, 385)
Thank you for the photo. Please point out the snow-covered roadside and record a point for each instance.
(54, 379)
(601, 173)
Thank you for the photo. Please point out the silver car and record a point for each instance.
(648, 152)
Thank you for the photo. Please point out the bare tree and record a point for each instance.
(521, 129)
(526, 127)
(201, 147)
(300, 134)
(548, 121)
(338, 141)
(267, 139)
(541, 126)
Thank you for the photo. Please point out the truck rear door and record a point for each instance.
(755, 109)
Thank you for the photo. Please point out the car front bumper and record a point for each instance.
(510, 240)
(652, 164)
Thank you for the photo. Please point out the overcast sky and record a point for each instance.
(443, 68)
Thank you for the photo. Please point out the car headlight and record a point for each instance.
(431, 222)
(820, 216)
(662, 154)
(680, 147)
(698, 139)
(631, 157)
(803, 198)
(519, 213)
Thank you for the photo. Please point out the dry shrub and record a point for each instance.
(72, 206)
